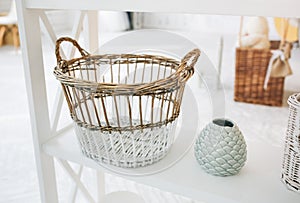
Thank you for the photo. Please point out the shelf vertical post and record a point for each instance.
(91, 31)
(29, 28)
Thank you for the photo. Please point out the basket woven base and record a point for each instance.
(290, 184)
(291, 168)
(128, 149)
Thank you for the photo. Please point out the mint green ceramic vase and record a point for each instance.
(220, 149)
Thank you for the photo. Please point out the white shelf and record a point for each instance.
(258, 181)
(283, 8)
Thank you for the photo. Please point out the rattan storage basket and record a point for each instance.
(291, 159)
(250, 73)
(251, 68)
(124, 107)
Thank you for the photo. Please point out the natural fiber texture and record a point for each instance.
(250, 73)
(291, 159)
(125, 99)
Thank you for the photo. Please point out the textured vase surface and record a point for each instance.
(220, 148)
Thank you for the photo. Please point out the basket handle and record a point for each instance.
(75, 44)
(191, 58)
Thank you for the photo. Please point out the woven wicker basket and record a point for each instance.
(250, 73)
(124, 107)
(291, 159)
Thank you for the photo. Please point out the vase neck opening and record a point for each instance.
(223, 123)
(298, 97)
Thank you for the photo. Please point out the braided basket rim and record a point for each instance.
(181, 74)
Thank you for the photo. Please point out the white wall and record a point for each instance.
(202, 23)
(63, 21)
(4, 6)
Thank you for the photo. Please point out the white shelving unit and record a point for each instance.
(258, 182)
